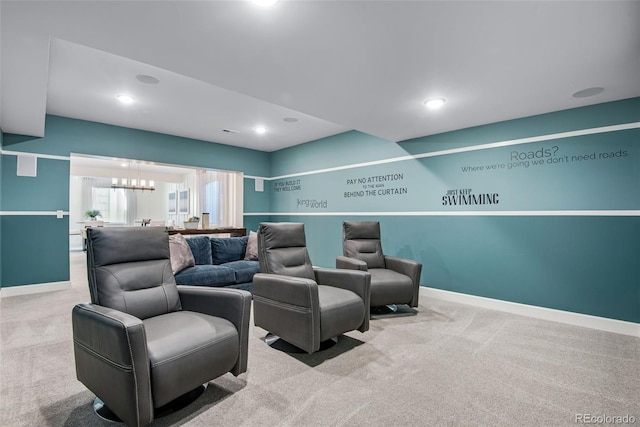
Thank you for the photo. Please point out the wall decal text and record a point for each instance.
(374, 186)
(465, 197)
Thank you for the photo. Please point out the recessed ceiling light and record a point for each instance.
(145, 78)
(434, 103)
(261, 130)
(124, 165)
(124, 98)
(264, 3)
(584, 93)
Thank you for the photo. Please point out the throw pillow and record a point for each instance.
(227, 249)
(200, 248)
(252, 247)
(180, 253)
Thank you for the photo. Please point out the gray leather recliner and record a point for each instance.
(301, 304)
(393, 280)
(143, 341)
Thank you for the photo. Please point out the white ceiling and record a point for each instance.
(333, 65)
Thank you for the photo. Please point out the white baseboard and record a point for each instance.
(575, 319)
(12, 291)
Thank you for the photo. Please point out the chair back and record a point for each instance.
(361, 240)
(129, 270)
(282, 249)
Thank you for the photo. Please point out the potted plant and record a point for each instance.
(93, 214)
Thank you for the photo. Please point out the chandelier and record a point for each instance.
(133, 183)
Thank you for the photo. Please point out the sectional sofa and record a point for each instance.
(219, 261)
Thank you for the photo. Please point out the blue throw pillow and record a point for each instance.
(227, 249)
(201, 249)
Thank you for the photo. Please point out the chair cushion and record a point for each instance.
(282, 235)
(206, 275)
(115, 245)
(251, 253)
(201, 249)
(340, 311)
(181, 255)
(361, 240)
(282, 250)
(244, 270)
(361, 230)
(141, 288)
(226, 249)
(390, 287)
(187, 349)
(367, 250)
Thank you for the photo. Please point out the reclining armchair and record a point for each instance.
(143, 342)
(303, 305)
(393, 280)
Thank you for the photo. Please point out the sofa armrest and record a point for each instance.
(228, 303)
(231, 304)
(408, 267)
(288, 307)
(404, 266)
(110, 349)
(350, 263)
(296, 291)
(358, 282)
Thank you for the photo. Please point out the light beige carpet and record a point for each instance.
(451, 364)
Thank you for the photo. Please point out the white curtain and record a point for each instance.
(218, 195)
(116, 206)
(86, 199)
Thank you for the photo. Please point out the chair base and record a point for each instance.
(274, 341)
(384, 309)
(392, 310)
(175, 405)
(103, 412)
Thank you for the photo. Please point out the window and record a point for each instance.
(212, 201)
(220, 196)
(112, 204)
(117, 206)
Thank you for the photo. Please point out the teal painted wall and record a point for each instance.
(40, 252)
(48, 191)
(64, 136)
(505, 250)
(588, 172)
(1, 159)
(35, 248)
(256, 204)
(353, 147)
(585, 264)
(594, 116)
